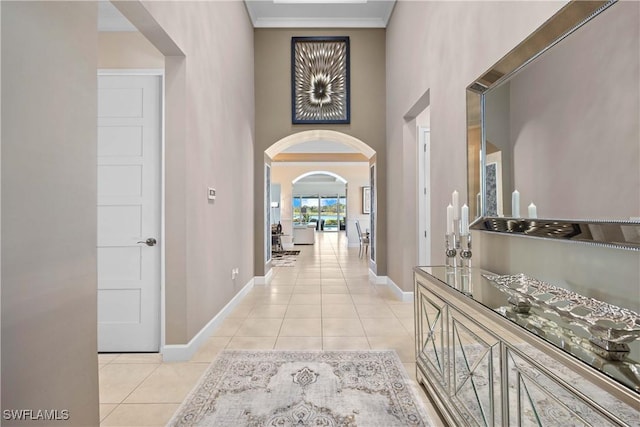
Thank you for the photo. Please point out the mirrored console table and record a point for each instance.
(490, 359)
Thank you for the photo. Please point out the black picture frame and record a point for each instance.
(320, 80)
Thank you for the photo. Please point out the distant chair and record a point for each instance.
(364, 240)
(276, 242)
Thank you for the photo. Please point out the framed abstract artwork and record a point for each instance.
(494, 185)
(320, 80)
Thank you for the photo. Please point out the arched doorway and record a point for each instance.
(338, 152)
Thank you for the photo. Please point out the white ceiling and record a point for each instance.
(320, 147)
(319, 178)
(320, 13)
(286, 14)
(110, 18)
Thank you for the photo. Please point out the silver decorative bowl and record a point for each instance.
(606, 323)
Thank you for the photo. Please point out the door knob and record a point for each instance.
(149, 242)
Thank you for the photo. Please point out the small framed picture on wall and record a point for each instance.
(366, 200)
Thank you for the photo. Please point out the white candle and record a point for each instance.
(456, 205)
(449, 219)
(515, 204)
(464, 227)
(533, 211)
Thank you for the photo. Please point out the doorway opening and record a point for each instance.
(320, 198)
(129, 210)
(125, 50)
(418, 142)
(319, 176)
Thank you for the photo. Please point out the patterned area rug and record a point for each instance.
(304, 388)
(284, 258)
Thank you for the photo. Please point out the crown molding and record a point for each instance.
(320, 157)
(319, 23)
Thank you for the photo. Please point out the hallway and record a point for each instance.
(325, 302)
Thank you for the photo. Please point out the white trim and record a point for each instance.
(267, 208)
(284, 164)
(131, 72)
(399, 293)
(378, 280)
(386, 281)
(264, 280)
(184, 352)
(319, 23)
(163, 225)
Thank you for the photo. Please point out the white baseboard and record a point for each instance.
(386, 281)
(184, 352)
(402, 295)
(378, 280)
(264, 280)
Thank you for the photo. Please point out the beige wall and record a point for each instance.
(49, 310)
(356, 175)
(209, 143)
(441, 47)
(273, 110)
(127, 50)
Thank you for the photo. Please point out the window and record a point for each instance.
(328, 210)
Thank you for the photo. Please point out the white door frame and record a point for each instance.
(154, 72)
(424, 195)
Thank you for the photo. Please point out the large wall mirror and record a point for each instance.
(558, 120)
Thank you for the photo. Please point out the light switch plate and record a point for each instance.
(211, 193)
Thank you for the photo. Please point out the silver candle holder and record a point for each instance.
(450, 251)
(452, 246)
(465, 252)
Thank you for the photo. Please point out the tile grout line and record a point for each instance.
(139, 384)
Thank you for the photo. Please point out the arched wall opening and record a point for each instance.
(308, 174)
(353, 168)
(319, 135)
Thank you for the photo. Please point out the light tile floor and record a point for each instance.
(325, 302)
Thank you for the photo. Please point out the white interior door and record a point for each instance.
(424, 198)
(129, 144)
